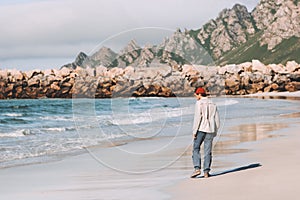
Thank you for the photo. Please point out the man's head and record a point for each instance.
(200, 92)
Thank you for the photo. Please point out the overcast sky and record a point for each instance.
(49, 33)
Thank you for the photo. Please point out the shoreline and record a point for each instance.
(276, 95)
(79, 176)
(263, 95)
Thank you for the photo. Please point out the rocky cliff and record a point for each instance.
(230, 29)
(278, 19)
(270, 33)
(180, 48)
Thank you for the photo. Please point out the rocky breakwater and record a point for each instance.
(36, 84)
(161, 81)
(255, 77)
(99, 82)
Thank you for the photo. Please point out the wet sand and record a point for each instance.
(277, 95)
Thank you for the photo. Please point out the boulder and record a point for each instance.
(129, 72)
(33, 82)
(231, 86)
(50, 79)
(245, 78)
(114, 72)
(90, 71)
(81, 72)
(295, 77)
(291, 66)
(165, 70)
(28, 74)
(256, 77)
(16, 74)
(276, 68)
(3, 74)
(281, 79)
(233, 82)
(139, 92)
(32, 73)
(231, 69)
(101, 71)
(268, 89)
(292, 86)
(49, 72)
(9, 88)
(145, 73)
(54, 86)
(274, 86)
(153, 90)
(166, 92)
(255, 87)
(63, 72)
(2, 84)
(73, 75)
(246, 66)
(222, 70)
(260, 67)
(188, 69)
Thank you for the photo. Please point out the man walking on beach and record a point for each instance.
(205, 128)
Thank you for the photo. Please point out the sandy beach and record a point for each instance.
(276, 178)
(272, 172)
(256, 160)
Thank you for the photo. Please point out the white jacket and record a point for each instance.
(206, 117)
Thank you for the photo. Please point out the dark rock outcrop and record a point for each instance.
(79, 61)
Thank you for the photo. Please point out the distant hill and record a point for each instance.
(269, 33)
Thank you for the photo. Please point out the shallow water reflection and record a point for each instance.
(254, 132)
(245, 133)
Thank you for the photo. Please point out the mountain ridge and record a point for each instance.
(269, 33)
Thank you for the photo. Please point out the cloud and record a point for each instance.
(62, 28)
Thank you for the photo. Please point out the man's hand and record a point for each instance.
(194, 136)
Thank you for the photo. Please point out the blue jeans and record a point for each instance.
(208, 141)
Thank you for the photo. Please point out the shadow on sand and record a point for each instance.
(234, 170)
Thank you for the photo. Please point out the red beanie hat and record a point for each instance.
(200, 90)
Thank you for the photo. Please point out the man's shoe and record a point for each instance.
(197, 172)
(206, 175)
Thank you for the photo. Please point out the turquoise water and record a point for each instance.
(39, 130)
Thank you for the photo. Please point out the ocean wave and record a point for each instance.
(227, 102)
(58, 129)
(35, 131)
(176, 112)
(56, 118)
(14, 120)
(11, 135)
(14, 106)
(156, 115)
(144, 98)
(17, 133)
(12, 114)
(130, 120)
